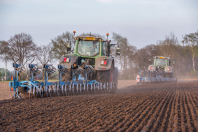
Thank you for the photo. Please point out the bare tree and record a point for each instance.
(127, 54)
(168, 45)
(19, 47)
(59, 44)
(192, 41)
(43, 55)
(4, 56)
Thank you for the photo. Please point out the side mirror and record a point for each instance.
(69, 46)
(173, 62)
(117, 51)
(149, 60)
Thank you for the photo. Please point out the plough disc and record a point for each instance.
(79, 84)
(153, 77)
(72, 89)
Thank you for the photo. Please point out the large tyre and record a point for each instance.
(115, 77)
(67, 76)
(105, 75)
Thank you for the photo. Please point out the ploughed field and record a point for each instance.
(5, 92)
(153, 107)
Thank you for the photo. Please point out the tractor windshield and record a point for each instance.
(161, 62)
(88, 48)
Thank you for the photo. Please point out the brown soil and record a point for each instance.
(156, 107)
(126, 83)
(5, 92)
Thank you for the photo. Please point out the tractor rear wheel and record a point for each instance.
(67, 76)
(105, 76)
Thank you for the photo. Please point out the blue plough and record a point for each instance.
(153, 77)
(78, 85)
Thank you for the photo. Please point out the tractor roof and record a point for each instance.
(87, 38)
(161, 57)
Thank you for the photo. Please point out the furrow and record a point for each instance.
(137, 120)
(129, 114)
(170, 123)
(165, 118)
(186, 111)
(161, 110)
(106, 118)
(192, 111)
(147, 122)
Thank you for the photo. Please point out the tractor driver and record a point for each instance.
(94, 49)
(88, 48)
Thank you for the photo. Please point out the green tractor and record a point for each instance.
(162, 64)
(91, 55)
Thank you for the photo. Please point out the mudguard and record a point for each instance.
(151, 68)
(72, 59)
(98, 66)
(168, 69)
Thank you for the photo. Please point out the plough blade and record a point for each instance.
(153, 77)
(76, 86)
(72, 89)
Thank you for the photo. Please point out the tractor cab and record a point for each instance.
(90, 50)
(161, 70)
(161, 63)
(90, 46)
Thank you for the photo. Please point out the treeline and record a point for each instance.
(4, 72)
(184, 52)
(21, 48)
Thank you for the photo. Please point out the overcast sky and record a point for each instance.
(143, 22)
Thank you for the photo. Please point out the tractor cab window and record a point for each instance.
(161, 62)
(88, 48)
(168, 62)
(104, 48)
